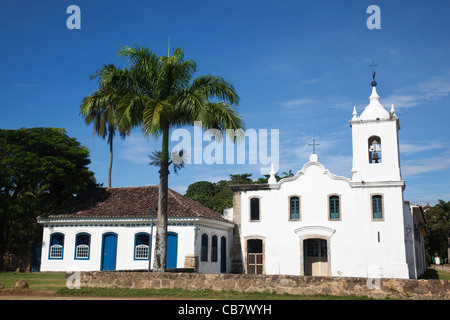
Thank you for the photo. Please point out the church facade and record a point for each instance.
(319, 224)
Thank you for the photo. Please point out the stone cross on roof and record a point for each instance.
(314, 144)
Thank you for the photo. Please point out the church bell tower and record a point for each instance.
(375, 142)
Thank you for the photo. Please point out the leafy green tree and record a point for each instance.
(201, 191)
(100, 107)
(164, 94)
(241, 178)
(438, 227)
(40, 168)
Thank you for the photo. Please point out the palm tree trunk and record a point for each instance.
(110, 159)
(159, 264)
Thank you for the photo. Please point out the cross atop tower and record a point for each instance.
(314, 144)
(373, 65)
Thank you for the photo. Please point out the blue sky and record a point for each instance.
(298, 66)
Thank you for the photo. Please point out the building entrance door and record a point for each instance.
(316, 257)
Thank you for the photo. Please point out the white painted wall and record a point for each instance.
(185, 229)
(353, 245)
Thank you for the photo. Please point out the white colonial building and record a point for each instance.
(316, 223)
(111, 229)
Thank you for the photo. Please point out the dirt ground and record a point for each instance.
(50, 295)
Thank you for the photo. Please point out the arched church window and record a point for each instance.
(254, 209)
(374, 149)
(294, 208)
(214, 248)
(334, 207)
(204, 249)
(377, 207)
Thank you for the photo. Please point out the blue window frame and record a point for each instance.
(82, 246)
(141, 246)
(294, 211)
(56, 246)
(377, 207)
(334, 208)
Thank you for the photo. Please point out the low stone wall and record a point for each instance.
(300, 285)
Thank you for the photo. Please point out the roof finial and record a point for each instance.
(355, 114)
(272, 178)
(373, 65)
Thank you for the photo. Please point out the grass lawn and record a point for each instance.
(36, 281)
(436, 274)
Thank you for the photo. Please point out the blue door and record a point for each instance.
(109, 249)
(172, 247)
(37, 251)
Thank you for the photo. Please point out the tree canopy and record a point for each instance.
(161, 93)
(40, 168)
(218, 196)
(438, 227)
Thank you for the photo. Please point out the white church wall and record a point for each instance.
(358, 242)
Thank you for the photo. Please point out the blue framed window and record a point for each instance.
(377, 207)
(82, 246)
(56, 246)
(294, 210)
(141, 246)
(204, 249)
(334, 206)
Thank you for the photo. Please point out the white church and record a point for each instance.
(314, 223)
(319, 224)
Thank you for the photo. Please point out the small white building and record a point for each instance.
(316, 223)
(111, 229)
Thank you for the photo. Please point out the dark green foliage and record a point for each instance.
(219, 196)
(438, 228)
(40, 168)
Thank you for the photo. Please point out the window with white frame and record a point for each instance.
(83, 241)
(141, 246)
(56, 246)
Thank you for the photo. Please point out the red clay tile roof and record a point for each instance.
(131, 202)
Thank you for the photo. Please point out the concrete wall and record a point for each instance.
(300, 285)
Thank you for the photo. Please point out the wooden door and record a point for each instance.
(255, 263)
(316, 257)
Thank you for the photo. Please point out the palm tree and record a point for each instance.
(100, 107)
(164, 95)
